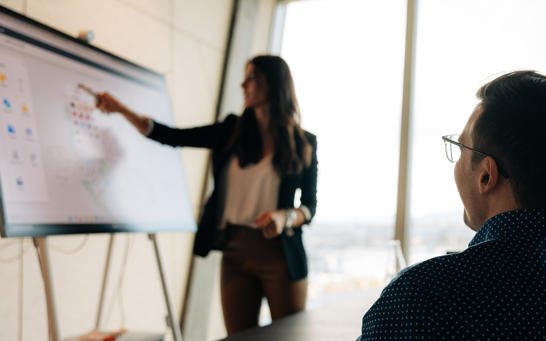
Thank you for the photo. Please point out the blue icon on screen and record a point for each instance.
(29, 132)
(19, 181)
(7, 103)
(11, 129)
(69, 218)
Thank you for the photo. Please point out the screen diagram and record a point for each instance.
(96, 148)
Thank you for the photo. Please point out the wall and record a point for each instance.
(185, 40)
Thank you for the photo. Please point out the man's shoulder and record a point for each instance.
(447, 275)
(427, 267)
(430, 275)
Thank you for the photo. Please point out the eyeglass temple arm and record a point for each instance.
(501, 170)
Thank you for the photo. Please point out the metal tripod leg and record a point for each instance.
(173, 321)
(42, 248)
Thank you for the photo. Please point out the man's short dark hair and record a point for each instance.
(512, 129)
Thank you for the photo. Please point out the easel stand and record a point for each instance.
(171, 313)
(42, 248)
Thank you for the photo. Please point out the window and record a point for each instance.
(347, 61)
(460, 45)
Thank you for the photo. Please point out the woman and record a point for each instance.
(259, 160)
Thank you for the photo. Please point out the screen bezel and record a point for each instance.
(41, 230)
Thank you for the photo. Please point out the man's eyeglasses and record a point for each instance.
(454, 152)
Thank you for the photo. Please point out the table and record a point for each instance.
(337, 321)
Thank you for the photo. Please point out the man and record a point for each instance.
(495, 289)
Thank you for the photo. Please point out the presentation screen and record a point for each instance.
(65, 167)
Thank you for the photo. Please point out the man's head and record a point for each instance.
(510, 125)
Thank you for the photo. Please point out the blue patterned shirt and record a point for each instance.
(494, 290)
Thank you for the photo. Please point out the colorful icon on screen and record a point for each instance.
(19, 181)
(29, 132)
(69, 218)
(2, 77)
(24, 108)
(7, 103)
(11, 129)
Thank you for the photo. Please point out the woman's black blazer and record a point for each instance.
(216, 137)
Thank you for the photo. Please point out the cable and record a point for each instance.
(119, 292)
(19, 255)
(74, 250)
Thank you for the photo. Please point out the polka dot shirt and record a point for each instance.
(494, 290)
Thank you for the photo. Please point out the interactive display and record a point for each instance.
(65, 167)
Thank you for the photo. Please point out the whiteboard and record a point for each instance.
(67, 168)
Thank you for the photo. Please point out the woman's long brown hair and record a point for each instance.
(292, 150)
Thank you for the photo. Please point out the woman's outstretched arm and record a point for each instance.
(200, 137)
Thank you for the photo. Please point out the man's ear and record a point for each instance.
(489, 175)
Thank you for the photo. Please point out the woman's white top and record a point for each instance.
(250, 191)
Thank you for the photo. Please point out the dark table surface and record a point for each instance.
(336, 321)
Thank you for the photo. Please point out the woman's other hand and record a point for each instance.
(271, 223)
(108, 104)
